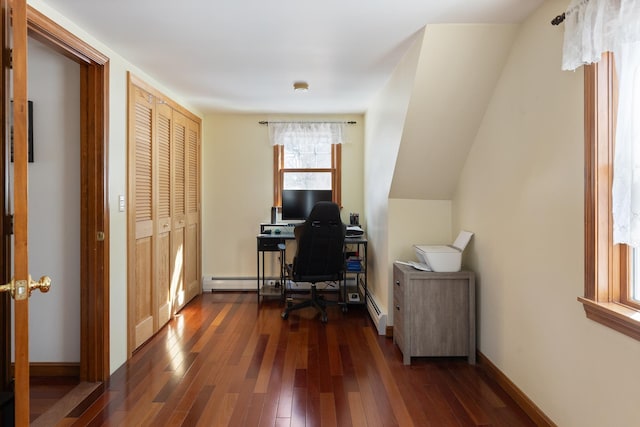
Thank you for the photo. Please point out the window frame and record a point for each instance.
(607, 267)
(279, 170)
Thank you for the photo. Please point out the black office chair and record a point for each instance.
(319, 254)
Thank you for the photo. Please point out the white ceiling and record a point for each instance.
(245, 55)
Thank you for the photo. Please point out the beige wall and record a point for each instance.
(384, 126)
(415, 222)
(521, 191)
(237, 189)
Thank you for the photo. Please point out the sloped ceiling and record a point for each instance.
(457, 72)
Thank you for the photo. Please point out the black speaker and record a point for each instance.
(274, 210)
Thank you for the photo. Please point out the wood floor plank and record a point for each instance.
(328, 410)
(391, 387)
(288, 376)
(356, 409)
(221, 401)
(227, 361)
(198, 406)
(225, 411)
(268, 361)
(268, 416)
(333, 350)
(341, 402)
(251, 416)
(299, 406)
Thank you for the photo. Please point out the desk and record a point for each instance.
(355, 280)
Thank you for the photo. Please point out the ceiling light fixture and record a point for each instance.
(300, 86)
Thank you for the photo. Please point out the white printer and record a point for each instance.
(444, 258)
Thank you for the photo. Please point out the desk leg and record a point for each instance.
(262, 288)
(282, 265)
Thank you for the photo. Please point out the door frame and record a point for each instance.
(94, 233)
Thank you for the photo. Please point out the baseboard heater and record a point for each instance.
(212, 283)
(378, 317)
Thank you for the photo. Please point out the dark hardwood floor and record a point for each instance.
(224, 361)
(46, 391)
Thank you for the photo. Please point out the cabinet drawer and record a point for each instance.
(398, 312)
(439, 317)
(398, 318)
(398, 289)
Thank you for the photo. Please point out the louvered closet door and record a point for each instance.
(192, 232)
(140, 285)
(178, 250)
(164, 128)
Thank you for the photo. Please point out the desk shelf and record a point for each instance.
(356, 273)
(269, 290)
(275, 244)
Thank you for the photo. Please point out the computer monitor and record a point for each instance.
(297, 204)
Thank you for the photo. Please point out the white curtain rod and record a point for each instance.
(264, 122)
(558, 19)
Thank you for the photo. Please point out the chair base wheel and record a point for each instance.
(284, 315)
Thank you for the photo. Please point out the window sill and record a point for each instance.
(616, 316)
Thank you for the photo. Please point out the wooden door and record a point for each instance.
(21, 284)
(6, 386)
(142, 305)
(192, 230)
(164, 217)
(178, 250)
(162, 179)
(20, 207)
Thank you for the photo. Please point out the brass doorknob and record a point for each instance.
(8, 287)
(19, 291)
(44, 284)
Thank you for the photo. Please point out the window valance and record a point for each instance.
(593, 27)
(282, 133)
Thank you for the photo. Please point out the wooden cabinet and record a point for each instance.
(434, 314)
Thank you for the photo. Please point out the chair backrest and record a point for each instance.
(320, 245)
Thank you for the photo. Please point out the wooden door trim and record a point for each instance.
(94, 283)
(45, 30)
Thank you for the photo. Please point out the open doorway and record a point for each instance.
(54, 222)
(93, 224)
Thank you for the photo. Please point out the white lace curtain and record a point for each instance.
(281, 133)
(593, 27)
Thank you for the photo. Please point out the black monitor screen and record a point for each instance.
(297, 204)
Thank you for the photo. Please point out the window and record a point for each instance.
(307, 160)
(612, 272)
